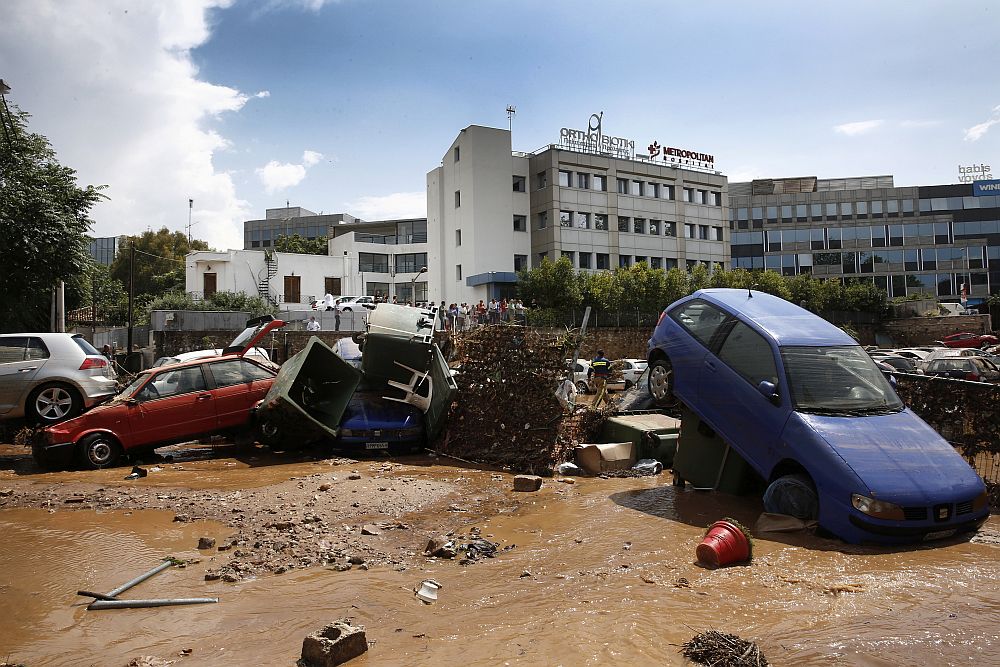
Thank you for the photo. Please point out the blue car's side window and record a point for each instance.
(701, 319)
(749, 354)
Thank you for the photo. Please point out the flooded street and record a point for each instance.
(603, 572)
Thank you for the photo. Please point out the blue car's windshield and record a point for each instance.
(837, 380)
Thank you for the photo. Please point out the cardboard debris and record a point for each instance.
(596, 459)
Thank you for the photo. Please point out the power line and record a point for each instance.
(169, 259)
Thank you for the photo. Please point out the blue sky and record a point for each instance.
(344, 106)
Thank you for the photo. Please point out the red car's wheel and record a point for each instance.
(99, 450)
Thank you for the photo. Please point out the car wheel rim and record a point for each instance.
(99, 452)
(268, 429)
(659, 382)
(53, 403)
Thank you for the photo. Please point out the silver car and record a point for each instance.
(49, 377)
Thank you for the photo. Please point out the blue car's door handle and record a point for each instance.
(711, 365)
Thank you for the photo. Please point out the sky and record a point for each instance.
(343, 106)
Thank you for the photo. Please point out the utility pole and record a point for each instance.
(190, 206)
(131, 295)
(510, 117)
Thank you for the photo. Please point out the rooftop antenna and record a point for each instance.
(189, 225)
(749, 293)
(510, 116)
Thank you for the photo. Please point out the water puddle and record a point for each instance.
(603, 573)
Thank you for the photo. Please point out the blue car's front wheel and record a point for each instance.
(661, 383)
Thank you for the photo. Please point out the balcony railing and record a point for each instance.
(389, 239)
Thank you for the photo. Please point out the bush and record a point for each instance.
(234, 301)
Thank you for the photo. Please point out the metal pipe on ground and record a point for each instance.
(141, 578)
(139, 604)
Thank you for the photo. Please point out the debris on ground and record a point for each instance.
(569, 469)
(334, 644)
(137, 472)
(527, 483)
(723, 650)
(506, 411)
(427, 591)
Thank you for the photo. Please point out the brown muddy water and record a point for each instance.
(603, 573)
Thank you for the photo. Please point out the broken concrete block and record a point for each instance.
(441, 547)
(527, 482)
(206, 542)
(334, 644)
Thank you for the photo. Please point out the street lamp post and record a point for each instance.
(413, 280)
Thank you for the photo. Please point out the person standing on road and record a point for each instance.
(328, 302)
(443, 316)
(312, 325)
(600, 369)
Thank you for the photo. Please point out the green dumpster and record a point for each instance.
(313, 387)
(654, 434)
(707, 462)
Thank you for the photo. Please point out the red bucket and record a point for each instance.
(724, 544)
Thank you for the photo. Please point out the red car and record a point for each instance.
(167, 405)
(967, 339)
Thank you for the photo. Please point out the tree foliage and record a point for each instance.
(302, 245)
(44, 219)
(159, 261)
(237, 301)
(551, 285)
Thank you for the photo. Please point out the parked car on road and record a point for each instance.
(967, 339)
(165, 405)
(49, 377)
(804, 404)
(899, 364)
(355, 303)
(976, 369)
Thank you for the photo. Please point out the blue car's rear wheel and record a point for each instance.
(661, 383)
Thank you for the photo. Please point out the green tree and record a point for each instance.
(550, 285)
(302, 245)
(238, 301)
(159, 261)
(44, 219)
(677, 283)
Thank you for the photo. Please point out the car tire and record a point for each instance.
(98, 450)
(582, 388)
(52, 403)
(269, 433)
(346, 310)
(661, 383)
(794, 495)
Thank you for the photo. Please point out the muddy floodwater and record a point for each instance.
(602, 573)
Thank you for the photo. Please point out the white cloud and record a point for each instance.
(976, 132)
(275, 176)
(390, 207)
(263, 93)
(857, 127)
(113, 86)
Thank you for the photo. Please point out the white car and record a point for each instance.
(631, 370)
(352, 303)
(258, 353)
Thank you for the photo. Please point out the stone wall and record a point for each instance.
(925, 330)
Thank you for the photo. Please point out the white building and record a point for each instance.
(492, 211)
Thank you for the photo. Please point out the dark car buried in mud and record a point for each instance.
(809, 411)
(166, 405)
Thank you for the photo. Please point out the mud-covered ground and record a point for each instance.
(285, 511)
(590, 571)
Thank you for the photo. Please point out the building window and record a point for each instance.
(637, 188)
(715, 234)
(703, 232)
(876, 207)
(623, 223)
(786, 213)
(639, 226)
(689, 195)
(670, 229)
(801, 211)
(624, 261)
(603, 261)
(520, 223)
(458, 272)
(541, 258)
(519, 184)
(772, 213)
(570, 255)
(655, 263)
(458, 237)
(600, 183)
(410, 262)
(892, 207)
(458, 198)
(565, 218)
(541, 180)
(582, 181)
(816, 211)
(543, 219)
(581, 220)
(601, 222)
(622, 186)
(641, 259)
(369, 262)
(861, 208)
(700, 196)
(667, 191)
(688, 231)
(564, 178)
(846, 209)
(715, 198)
(831, 210)
(585, 260)
(652, 190)
(520, 262)
(458, 154)
(654, 227)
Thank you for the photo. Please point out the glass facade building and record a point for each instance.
(907, 240)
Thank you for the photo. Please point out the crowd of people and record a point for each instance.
(464, 316)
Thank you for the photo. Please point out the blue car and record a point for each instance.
(807, 408)
(372, 422)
